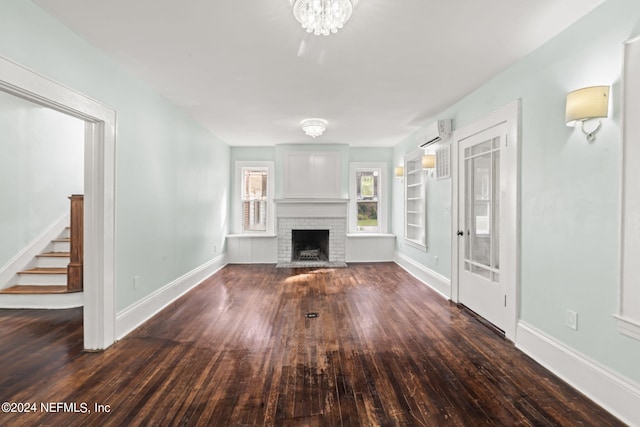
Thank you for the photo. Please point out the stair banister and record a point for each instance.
(75, 269)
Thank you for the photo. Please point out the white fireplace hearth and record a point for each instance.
(311, 214)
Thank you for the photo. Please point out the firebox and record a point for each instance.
(309, 245)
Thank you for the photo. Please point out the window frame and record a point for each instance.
(238, 200)
(381, 168)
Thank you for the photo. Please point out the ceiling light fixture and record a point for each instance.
(314, 127)
(323, 16)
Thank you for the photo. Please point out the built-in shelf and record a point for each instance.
(414, 230)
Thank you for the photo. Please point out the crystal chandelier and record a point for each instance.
(323, 16)
(314, 127)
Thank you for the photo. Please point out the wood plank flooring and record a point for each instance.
(239, 350)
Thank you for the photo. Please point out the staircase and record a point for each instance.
(50, 272)
(54, 277)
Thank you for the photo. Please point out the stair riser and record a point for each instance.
(47, 301)
(42, 279)
(66, 233)
(61, 247)
(52, 262)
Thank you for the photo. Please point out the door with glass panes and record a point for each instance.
(481, 286)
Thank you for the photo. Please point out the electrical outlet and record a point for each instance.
(136, 282)
(435, 260)
(572, 320)
(215, 248)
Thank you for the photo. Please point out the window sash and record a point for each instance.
(254, 187)
(367, 188)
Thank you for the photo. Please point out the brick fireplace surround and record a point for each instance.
(312, 214)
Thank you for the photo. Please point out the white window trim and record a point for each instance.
(382, 196)
(237, 196)
(628, 314)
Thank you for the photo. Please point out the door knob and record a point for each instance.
(460, 233)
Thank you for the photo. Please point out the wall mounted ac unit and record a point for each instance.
(440, 130)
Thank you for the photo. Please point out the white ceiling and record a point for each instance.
(249, 73)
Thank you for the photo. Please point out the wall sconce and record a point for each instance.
(429, 162)
(398, 171)
(587, 103)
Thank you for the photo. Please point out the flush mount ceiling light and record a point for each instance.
(323, 16)
(314, 127)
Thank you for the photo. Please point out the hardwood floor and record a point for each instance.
(384, 350)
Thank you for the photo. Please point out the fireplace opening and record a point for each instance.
(309, 245)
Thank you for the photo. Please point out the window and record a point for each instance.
(367, 205)
(254, 199)
(414, 205)
(253, 209)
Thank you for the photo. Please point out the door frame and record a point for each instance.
(99, 313)
(509, 226)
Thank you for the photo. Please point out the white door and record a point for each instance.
(481, 286)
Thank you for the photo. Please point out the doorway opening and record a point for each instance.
(99, 188)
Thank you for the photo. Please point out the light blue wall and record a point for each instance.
(570, 188)
(437, 257)
(371, 154)
(41, 165)
(172, 175)
(253, 154)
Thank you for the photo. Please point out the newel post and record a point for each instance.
(74, 269)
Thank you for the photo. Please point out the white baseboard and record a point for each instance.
(42, 301)
(618, 395)
(434, 280)
(138, 313)
(22, 260)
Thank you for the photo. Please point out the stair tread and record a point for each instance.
(37, 289)
(55, 254)
(45, 270)
(63, 239)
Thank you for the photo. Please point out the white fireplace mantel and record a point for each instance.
(312, 208)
